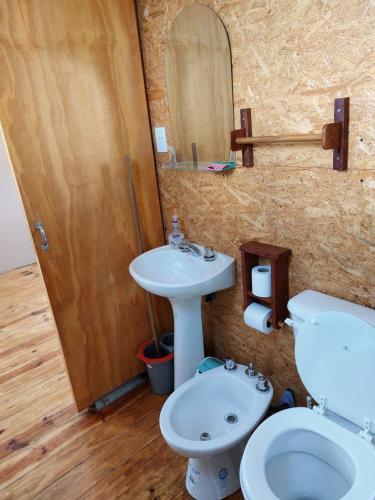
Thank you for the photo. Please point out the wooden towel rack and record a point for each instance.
(333, 136)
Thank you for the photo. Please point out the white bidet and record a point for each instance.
(209, 419)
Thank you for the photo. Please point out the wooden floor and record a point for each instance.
(47, 450)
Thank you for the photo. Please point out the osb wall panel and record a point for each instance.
(290, 60)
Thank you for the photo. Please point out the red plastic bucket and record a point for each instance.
(160, 368)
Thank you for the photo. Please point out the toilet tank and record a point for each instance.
(308, 303)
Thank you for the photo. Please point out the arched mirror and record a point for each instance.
(198, 72)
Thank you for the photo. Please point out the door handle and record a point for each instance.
(43, 237)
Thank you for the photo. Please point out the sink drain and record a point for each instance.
(205, 436)
(231, 418)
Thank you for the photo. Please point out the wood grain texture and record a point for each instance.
(291, 59)
(199, 80)
(73, 105)
(278, 258)
(246, 125)
(287, 138)
(47, 450)
(331, 135)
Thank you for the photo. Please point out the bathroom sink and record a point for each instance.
(184, 278)
(171, 273)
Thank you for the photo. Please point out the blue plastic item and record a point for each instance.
(209, 363)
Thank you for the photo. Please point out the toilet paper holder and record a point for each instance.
(251, 253)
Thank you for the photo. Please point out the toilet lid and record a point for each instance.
(335, 356)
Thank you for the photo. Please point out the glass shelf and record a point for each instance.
(201, 166)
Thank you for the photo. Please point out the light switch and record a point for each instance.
(161, 140)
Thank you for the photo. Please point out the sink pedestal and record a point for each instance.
(188, 337)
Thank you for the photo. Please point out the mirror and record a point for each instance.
(199, 84)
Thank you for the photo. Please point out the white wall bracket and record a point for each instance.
(365, 432)
(321, 409)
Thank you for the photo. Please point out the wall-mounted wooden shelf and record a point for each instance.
(267, 300)
(251, 252)
(333, 136)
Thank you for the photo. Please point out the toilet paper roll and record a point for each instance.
(258, 317)
(261, 281)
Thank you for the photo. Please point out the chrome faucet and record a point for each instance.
(262, 384)
(251, 371)
(209, 254)
(185, 246)
(230, 364)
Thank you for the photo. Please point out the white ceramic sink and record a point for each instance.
(183, 278)
(172, 273)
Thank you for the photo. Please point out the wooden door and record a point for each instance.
(73, 104)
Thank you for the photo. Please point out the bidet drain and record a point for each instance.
(231, 418)
(205, 436)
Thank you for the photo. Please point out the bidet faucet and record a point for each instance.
(262, 384)
(251, 371)
(230, 364)
(185, 246)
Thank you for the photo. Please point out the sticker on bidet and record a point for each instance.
(193, 476)
(223, 478)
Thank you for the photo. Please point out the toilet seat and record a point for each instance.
(335, 355)
(288, 423)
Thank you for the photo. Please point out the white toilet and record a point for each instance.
(327, 453)
(209, 419)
